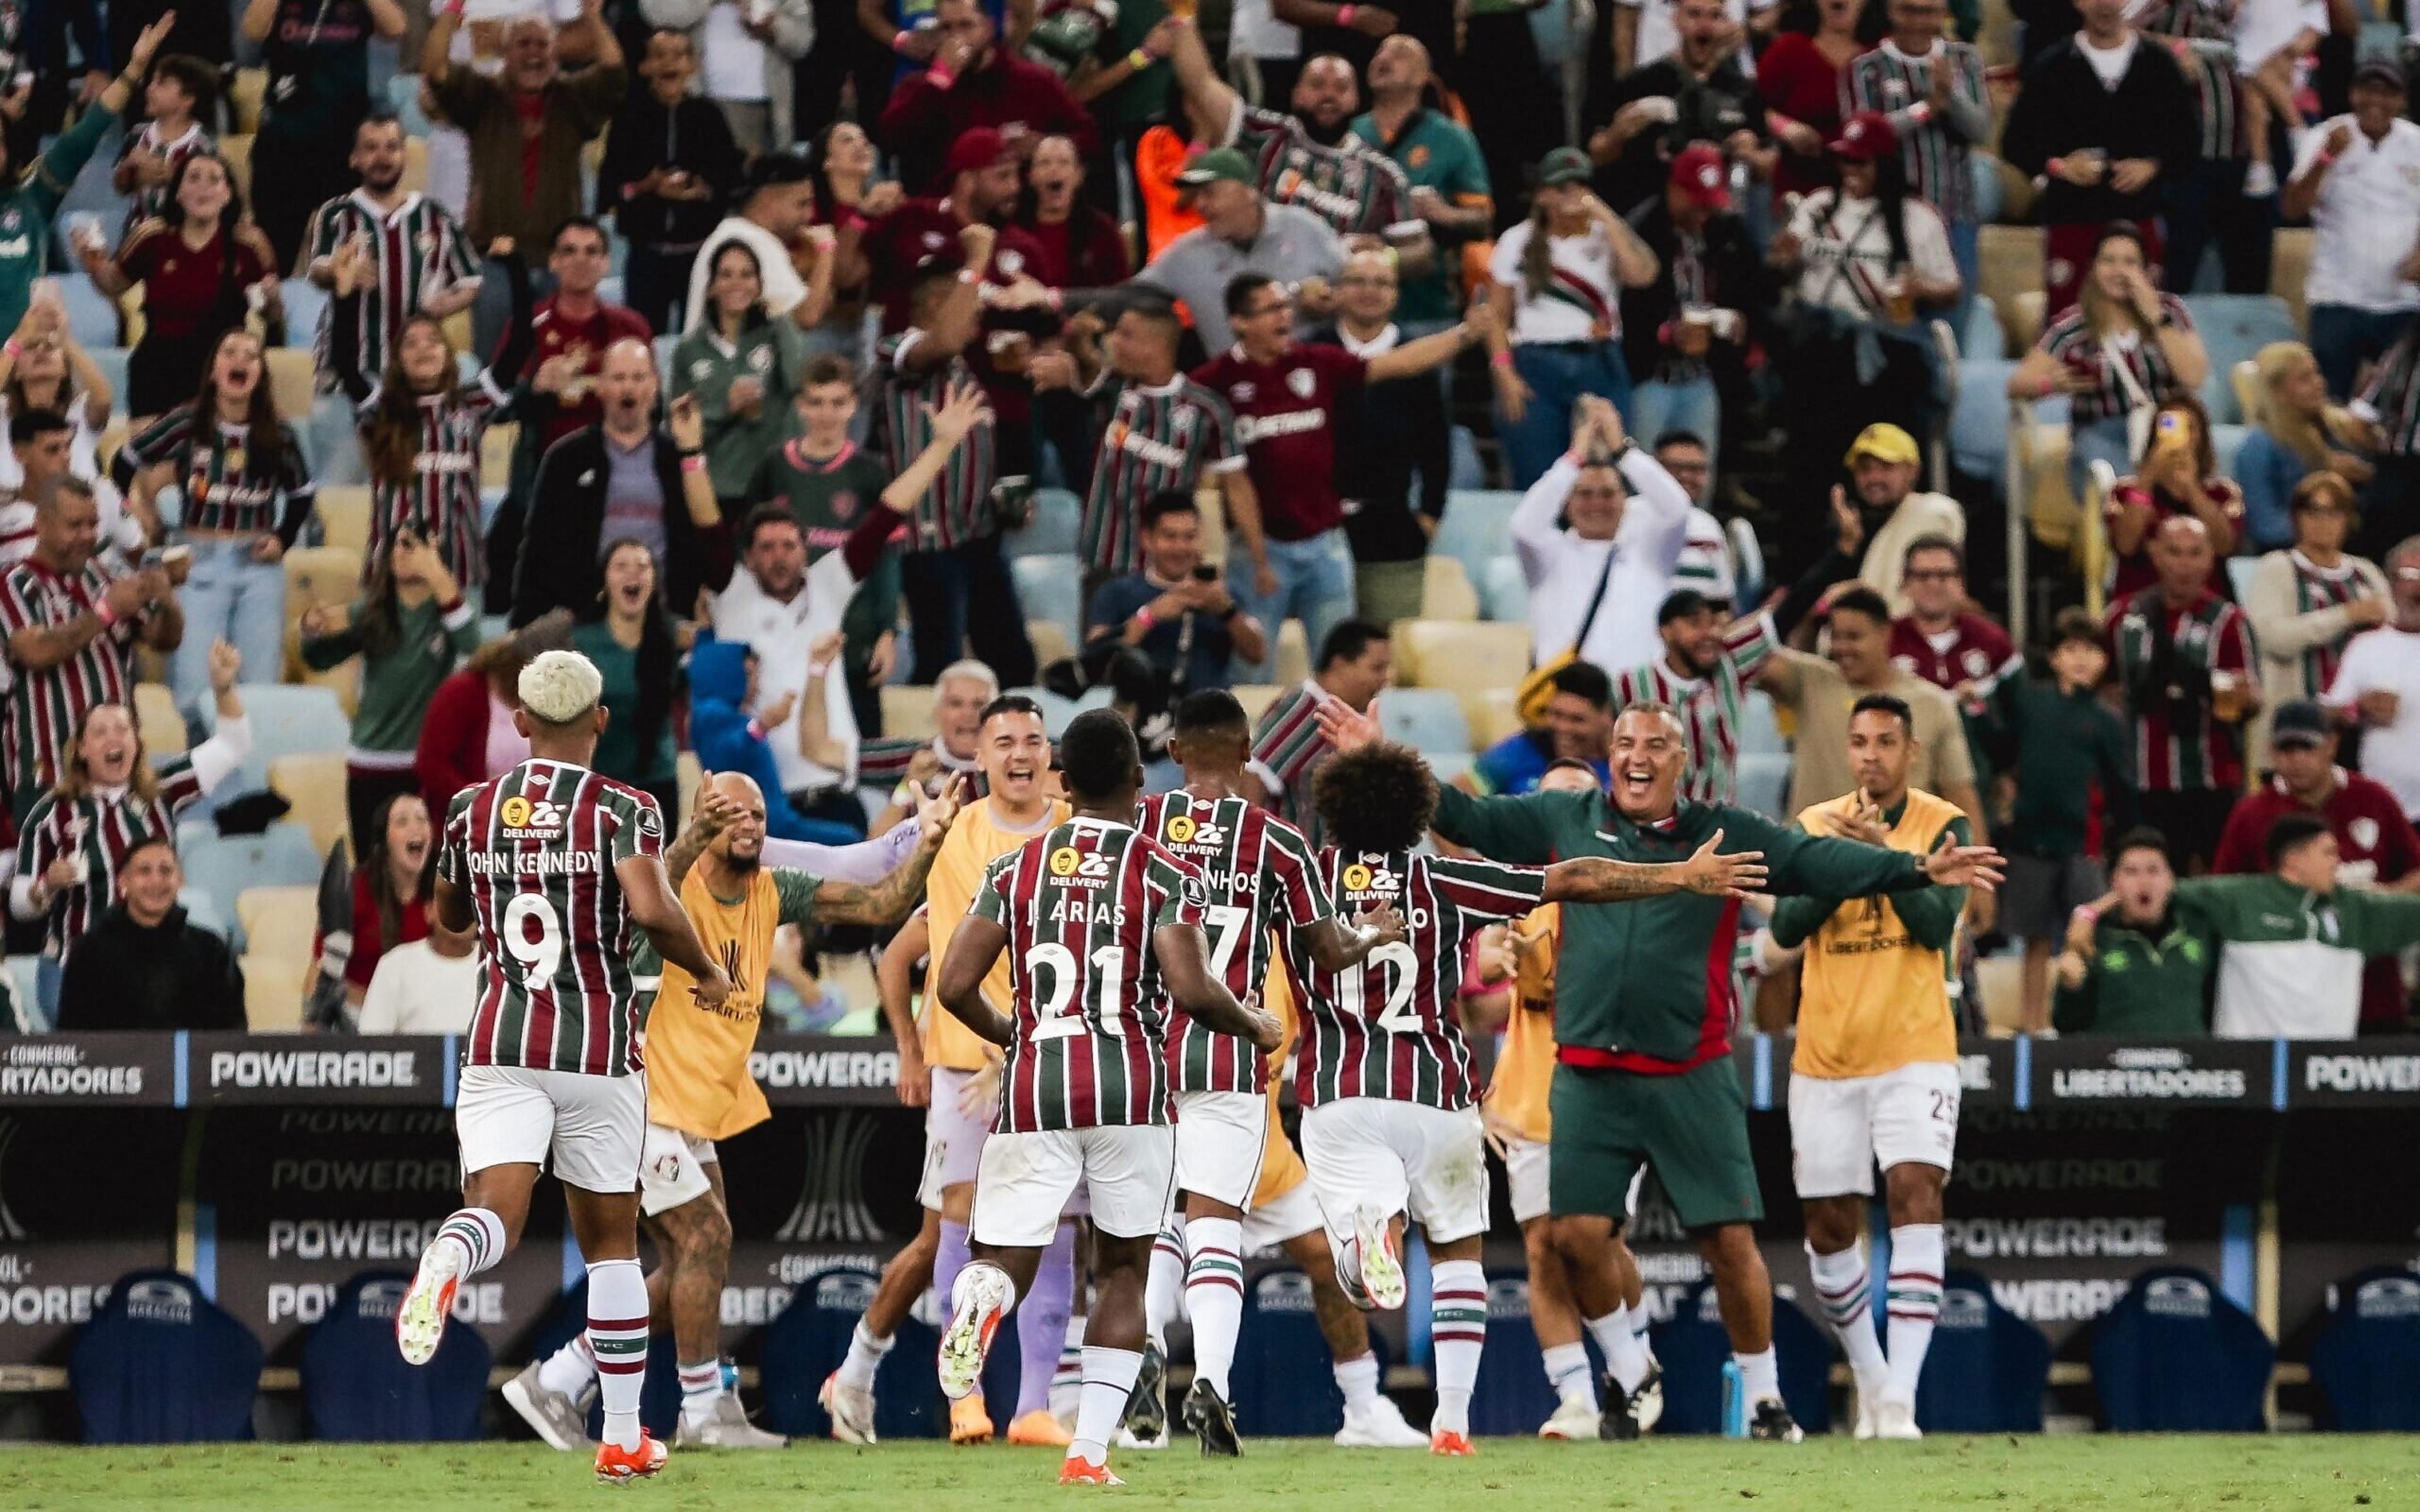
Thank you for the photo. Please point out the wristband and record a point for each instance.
(969, 276)
(1921, 112)
(1575, 457)
(1145, 618)
(687, 452)
(693, 463)
(941, 77)
(102, 613)
(1345, 15)
(756, 728)
(1138, 61)
(1502, 359)
(899, 41)
(2056, 167)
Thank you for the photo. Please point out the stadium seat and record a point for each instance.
(1499, 718)
(1693, 1348)
(2226, 443)
(2289, 270)
(2246, 379)
(1979, 421)
(1292, 654)
(356, 1389)
(285, 719)
(112, 361)
(316, 575)
(1748, 563)
(1982, 335)
(1760, 730)
(1256, 699)
(314, 783)
(1463, 469)
(1983, 172)
(1051, 531)
(1051, 588)
(1429, 719)
(1448, 766)
(1504, 590)
(224, 866)
(291, 381)
(415, 164)
(93, 317)
(1987, 1369)
(161, 1363)
(1446, 591)
(345, 518)
(278, 923)
(2239, 573)
(1050, 641)
(2366, 1361)
(236, 150)
(2176, 1356)
(2234, 327)
(809, 1339)
(403, 93)
(244, 94)
(156, 718)
(907, 711)
(1477, 526)
(1465, 657)
(344, 679)
(305, 302)
(496, 455)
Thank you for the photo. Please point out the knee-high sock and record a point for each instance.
(1163, 1297)
(617, 1329)
(1627, 1357)
(1568, 1372)
(475, 1235)
(1916, 1255)
(1042, 1320)
(1067, 1384)
(1847, 1294)
(865, 1354)
(1458, 1330)
(1214, 1295)
(1108, 1380)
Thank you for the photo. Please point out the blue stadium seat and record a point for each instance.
(1982, 335)
(2234, 328)
(1991, 193)
(2176, 1356)
(1692, 1347)
(809, 1339)
(2367, 1362)
(92, 314)
(1447, 765)
(2226, 441)
(1987, 1369)
(1052, 588)
(2239, 573)
(403, 93)
(1760, 730)
(609, 289)
(1978, 423)
(336, 441)
(222, 866)
(1477, 527)
(1428, 719)
(1051, 531)
(664, 348)
(1465, 469)
(1764, 783)
(357, 1389)
(1512, 1395)
(304, 302)
(287, 720)
(161, 1364)
(1504, 591)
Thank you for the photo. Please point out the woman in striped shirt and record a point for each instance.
(2307, 601)
(421, 425)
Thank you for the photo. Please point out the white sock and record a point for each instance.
(1458, 1332)
(1108, 1380)
(1842, 1286)
(617, 1329)
(571, 1369)
(1163, 1299)
(1625, 1347)
(1569, 1372)
(477, 1234)
(1067, 1382)
(864, 1358)
(1214, 1296)
(1760, 1377)
(701, 1386)
(1916, 1257)
(1357, 1379)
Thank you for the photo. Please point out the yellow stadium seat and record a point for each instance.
(1445, 593)
(1049, 639)
(1293, 654)
(2011, 264)
(415, 164)
(273, 993)
(496, 455)
(155, 716)
(907, 712)
(1213, 505)
(1469, 659)
(314, 783)
(278, 923)
(236, 150)
(244, 95)
(2289, 270)
(688, 772)
(130, 310)
(1499, 717)
(344, 679)
(345, 515)
(1256, 699)
(290, 381)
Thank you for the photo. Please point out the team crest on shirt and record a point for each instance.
(427, 243)
(1975, 662)
(844, 503)
(701, 370)
(1242, 393)
(761, 359)
(1302, 381)
(1011, 262)
(932, 241)
(2363, 832)
(1417, 157)
(526, 820)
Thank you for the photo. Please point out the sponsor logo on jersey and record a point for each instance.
(1252, 428)
(526, 820)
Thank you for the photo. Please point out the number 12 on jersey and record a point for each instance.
(1402, 971)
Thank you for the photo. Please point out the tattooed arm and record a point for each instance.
(1335, 945)
(887, 902)
(1593, 879)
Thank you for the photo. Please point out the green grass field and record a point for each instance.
(2053, 1474)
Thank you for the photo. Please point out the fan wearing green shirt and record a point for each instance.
(745, 366)
(1449, 178)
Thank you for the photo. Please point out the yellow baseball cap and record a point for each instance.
(1884, 444)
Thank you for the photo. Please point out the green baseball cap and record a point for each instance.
(1564, 166)
(1217, 163)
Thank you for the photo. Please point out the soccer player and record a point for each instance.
(1012, 751)
(1261, 876)
(1874, 1076)
(1520, 1126)
(1643, 1024)
(1102, 928)
(1389, 1127)
(699, 1090)
(555, 865)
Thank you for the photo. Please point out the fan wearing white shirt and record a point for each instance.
(429, 986)
(784, 611)
(2358, 178)
(2378, 685)
(1595, 583)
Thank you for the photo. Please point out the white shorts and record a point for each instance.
(1526, 1166)
(587, 1130)
(953, 1141)
(1840, 1126)
(1398, 1157)
(1026, 1180)
(671, 1169)
(1292, 1212)
(1220, 1137)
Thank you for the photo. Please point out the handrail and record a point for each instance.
(2099, 480)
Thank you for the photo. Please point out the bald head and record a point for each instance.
(626, 383)
(741, 844)
(1402, 67)
(2180, 554)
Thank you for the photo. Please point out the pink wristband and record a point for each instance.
(1502, 359)
(1921, 112)
(102, 613)
(899, 41)
(941, 77)
(692, 464)
(1145, 618)
(1345, 15)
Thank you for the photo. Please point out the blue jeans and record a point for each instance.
(232, 597)
(1966, 251)
(2343, 337)
(1314, 585)
(1558, 373)
(1657, 406)
(2099, 440)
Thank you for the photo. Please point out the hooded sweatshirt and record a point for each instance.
(728, 739)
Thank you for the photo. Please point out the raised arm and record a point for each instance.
(959, 415)
(1214, 109)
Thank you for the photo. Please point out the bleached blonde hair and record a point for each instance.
(558, 686)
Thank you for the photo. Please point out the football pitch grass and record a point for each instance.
(2053, 1474)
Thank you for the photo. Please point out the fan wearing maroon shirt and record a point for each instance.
(2375, 845)
(1285, 396)
(982, 175)
(1963, 653)
(973, 82)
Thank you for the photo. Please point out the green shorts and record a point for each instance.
(1692, 1128)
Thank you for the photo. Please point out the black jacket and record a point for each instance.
(1385, 434)
(643, 137)
(1709, 110)
(171, 976)
(558, 565)
(1735, 279)
(2153, 113)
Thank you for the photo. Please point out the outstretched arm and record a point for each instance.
(1595, 879)
(887, 902)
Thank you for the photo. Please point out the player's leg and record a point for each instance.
(1915, 1135)
(954, 1137)
(1592, 1174)
(600, 1135)
(1128, 1172)
(1041, 1334)
(1446, 1160)
(1831, 1159)
(1553, 1315)
(1362, 1190)
(697, 1235)
(1022, 1184)
(506, 1123)
(1220, 1138)
(847, 1392)
(1146, 1420)
(1371, 1419)
(1067, 1382)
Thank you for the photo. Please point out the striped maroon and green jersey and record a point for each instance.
(2318, 588)
(1887, 80)
(1288, 748)
(1387, 1027)
(1261, 876)
(1356, 189)
(2069, 339)
(228, 484)
(416, 251)
(958, 507)
(440, 503)
(1153, 440)
(1079, 904)
(149, 200)
(2179, 745)
(1711, 707)
(2207, 27)
(535, 849)
(46, 707)
(101, 830)
(2390, 398)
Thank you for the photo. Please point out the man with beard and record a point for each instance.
(420, 262)
(699, 1090)
(971, 83)
(1637, 123)
(1703, 677)
(1441, 161)
(1575, 723)
(982, 174)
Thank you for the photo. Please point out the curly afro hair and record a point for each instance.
(1378, 798)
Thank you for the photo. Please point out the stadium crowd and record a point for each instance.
(822, 370)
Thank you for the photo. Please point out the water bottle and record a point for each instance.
(1735, 1401)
